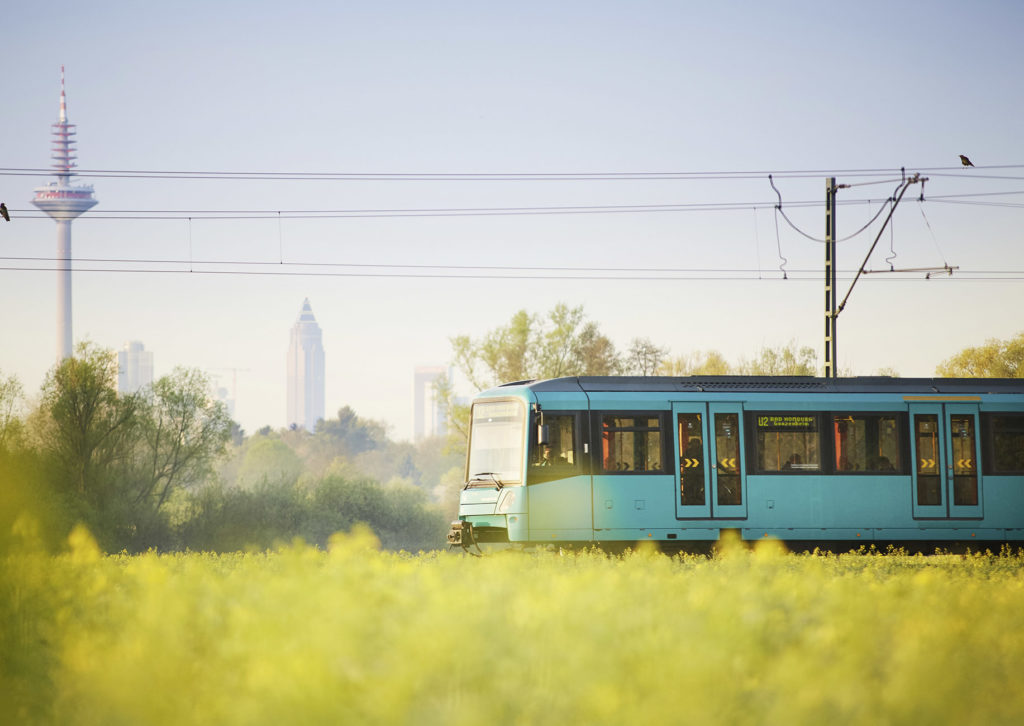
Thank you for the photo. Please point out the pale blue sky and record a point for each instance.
(525, 87)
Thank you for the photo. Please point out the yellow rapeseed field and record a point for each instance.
(356, 635)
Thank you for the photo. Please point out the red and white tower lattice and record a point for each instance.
(63, 201)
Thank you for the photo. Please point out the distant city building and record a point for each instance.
(221, 393)
(63, 201)
(429, 416)
(134, 367)
(305, 371)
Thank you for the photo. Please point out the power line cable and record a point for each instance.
(780, 210)
(222, 214)
(445, 271)
(28, 213)
(492, 176)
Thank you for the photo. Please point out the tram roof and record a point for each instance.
(802, 384)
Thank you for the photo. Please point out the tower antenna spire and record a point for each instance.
(63, 99)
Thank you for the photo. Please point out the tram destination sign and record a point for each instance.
(787, 422)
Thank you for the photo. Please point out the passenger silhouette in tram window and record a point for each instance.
(794, 462)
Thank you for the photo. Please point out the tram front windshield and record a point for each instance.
(496, 442)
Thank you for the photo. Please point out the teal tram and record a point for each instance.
(616, 460)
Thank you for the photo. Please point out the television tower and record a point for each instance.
(63, 201)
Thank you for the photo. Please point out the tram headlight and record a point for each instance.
(508, 498)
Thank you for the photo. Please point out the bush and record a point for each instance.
(224, 520)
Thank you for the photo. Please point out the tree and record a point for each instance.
(561, 343)
(644, 357)
(995, 359)
(505, 352)
(456, 414)
(269, 461)
(595, 353)
(115, 459)
(89, 429)
(351, 435)
(697, 363)
(11, 393)
(184, 429)
(556, 355)
(786, 360)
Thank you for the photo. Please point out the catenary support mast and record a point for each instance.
(831, 317)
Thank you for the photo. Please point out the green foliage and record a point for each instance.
(268, 462)
(696, 363)
(457, 415)
(357, 635)
(644, 358)
(11, 394)
(32, 514)
(350, 434)
(995, 359)
(225, 520)
(89, 430)
(787, 360)
(112, 461)
(562, 343)
(151, 470)
(184, 432)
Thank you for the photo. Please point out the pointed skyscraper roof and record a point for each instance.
(306, 314)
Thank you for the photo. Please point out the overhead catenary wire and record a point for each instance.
(732, 206)
(781, 211)
(195, 216)
(348, 269)
(452, 276)
(952, 171)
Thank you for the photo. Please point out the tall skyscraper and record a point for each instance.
(134, 367)
(429, 417)
(305, 371)
(63, 202)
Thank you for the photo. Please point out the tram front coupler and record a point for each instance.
(460, 534)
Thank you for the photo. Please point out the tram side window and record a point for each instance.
(789, 443)
(632, 443)
(559, 453)
(1004, 436)
(867, 443)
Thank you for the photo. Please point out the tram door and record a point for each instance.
(709, 455)
(945, 450)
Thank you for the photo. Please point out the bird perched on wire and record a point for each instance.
(4, 213)
(965, 161)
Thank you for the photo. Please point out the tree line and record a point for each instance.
(167, 468)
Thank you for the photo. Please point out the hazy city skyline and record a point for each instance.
(134, 367)
(394, 162)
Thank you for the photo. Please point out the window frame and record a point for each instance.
(988, 443)
(665, 432)
(540, 474)
(826, 443)
(521, 479)
(754, 447)
(902, 443)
